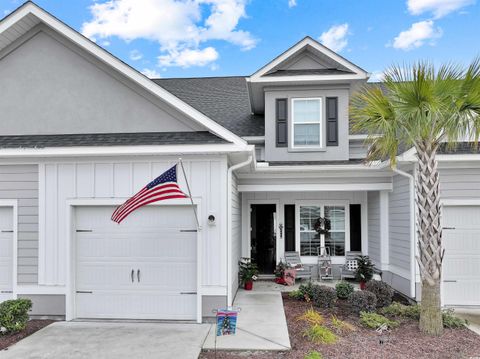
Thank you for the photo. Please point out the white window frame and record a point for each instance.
(320, 122)
(322, 204)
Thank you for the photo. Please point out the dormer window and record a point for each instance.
(307, 122)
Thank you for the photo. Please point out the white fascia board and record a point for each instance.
(459, 157)
(122, 150)
(319, 78)
(302, 187)
(120, 66)
(319, 168)
(297, 47)
(254, 139)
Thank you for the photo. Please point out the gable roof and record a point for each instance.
(223, 99)
(348, 69)
(30, 15)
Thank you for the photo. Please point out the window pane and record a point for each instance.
(336, 215)
(306, 135)
(335, 241)
(306, 110)
(309, 243)
(308, 216)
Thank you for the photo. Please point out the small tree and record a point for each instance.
(421, 107)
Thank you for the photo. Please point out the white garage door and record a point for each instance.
(143, 268)
(461, 268)
(6, 253)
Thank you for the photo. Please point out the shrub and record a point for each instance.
(399, 310)
(362, 301)
(311, 316)
(341, 325)
(296, 294)
(382, 291)
(374, 320)
(319, 334)
(451, 321)
(313, 355)
(307, 291)
(344, 289)
(323, 296)
(14, 314)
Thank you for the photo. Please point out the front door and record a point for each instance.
(263, 237)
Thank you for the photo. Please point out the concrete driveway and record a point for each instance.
(72, 340)
(473, 317)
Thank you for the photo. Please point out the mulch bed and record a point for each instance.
(406, 341)
(32, 327)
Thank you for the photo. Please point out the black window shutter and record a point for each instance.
(289, 227)
(355, 227)
(332, 121)
(281, 119)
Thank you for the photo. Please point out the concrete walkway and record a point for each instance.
(473, 317)
(261, 324)
(102, 340)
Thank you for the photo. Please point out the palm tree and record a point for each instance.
(422, 107)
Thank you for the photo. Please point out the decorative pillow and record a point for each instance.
(352, 264)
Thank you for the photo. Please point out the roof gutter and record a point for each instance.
(229, 226)
(413, 239)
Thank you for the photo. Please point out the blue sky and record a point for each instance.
(187, 38)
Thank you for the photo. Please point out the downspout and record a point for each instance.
(229, 225)
(413, 236)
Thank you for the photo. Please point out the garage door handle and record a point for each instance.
(6, 291)
(5, 231)
(449, 281)
(448, 228)
(188, 230)
(183, 293)
(132, 275)
(138, 275)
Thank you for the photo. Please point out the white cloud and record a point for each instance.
(376, 76)
(106, 43)
(135, 55)
(189, 57)
(417, 35)
(151, 73)
(336, 37)
(438, 8)
(179, 27)
(292, 3)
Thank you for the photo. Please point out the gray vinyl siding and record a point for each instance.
(236, 231)
(20, 182)
(374, 236)
(460, 183)
(357, 149)
(399, 220)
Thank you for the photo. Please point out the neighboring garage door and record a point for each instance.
(143, 268)
(6, 253)
(461, 266)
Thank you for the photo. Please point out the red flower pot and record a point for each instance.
(362, 285)
(248, 285)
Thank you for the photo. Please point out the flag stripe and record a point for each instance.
(124, 207)
(119, 208)
(158, 193)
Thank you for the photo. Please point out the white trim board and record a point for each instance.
(13, 203)
(30, 8)
(316, 187)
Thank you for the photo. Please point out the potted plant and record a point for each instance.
(364, 271)
(248, 273)
(284, 274)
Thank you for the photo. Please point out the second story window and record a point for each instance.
(307, 122)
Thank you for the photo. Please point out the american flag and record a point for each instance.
(161, 188)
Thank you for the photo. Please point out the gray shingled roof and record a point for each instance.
(109, 139)
(223, 99)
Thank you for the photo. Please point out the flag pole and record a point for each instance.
(190, 194)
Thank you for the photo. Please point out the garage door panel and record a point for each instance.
(461, 265)
(158, 243)
(144, 305)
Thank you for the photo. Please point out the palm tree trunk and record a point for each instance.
(430, 252)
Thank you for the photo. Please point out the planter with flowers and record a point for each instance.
(364, 271)
(248, 273)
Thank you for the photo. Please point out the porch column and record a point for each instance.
(384, 230)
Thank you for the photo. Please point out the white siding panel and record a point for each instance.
(460, 183)
(374, 235)
(399, 219)
(103, 179)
